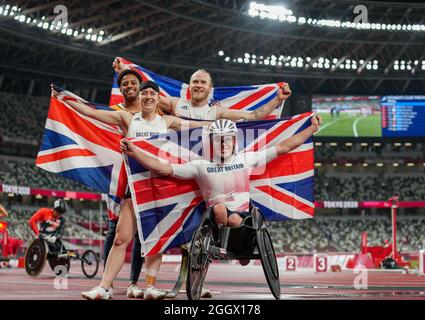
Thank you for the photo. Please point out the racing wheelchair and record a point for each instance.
(40, 251)
(250, 240)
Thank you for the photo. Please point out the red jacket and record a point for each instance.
(48, 223)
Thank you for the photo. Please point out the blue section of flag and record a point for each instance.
(222, 93)
(189, 227)
(302, 188)
(96, 178)
(150, 218)
(52, 139)
(261, 102)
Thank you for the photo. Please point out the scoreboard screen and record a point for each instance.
(403, 116)
(349, 116)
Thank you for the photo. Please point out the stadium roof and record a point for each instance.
(315, 45)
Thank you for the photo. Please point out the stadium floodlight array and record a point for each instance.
(283, 15)
(16, 13)
(300, 62)
(408, 64)
(365, 164)
(318, 62)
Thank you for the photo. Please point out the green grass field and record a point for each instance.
(346, 126)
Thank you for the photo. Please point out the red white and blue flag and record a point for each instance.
(82, 149)
(168, 210)
(246, 98)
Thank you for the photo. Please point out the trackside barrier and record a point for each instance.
(290, 263)
(422, 262)
(320, 262)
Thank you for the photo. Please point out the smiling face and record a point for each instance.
(130, 87)
(149, 99)
(223, 146)
(200, 86)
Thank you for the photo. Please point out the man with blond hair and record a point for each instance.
(200, 87)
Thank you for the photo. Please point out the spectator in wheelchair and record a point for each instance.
(50, 224)
(224, 178)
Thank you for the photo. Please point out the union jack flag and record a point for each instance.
(82, 149)
(239, 98)
(169, 210)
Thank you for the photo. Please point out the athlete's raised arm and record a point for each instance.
(298, 139)
(282, 94)
(150, 163)
(179, 124)
(168, 104)
(120, 118)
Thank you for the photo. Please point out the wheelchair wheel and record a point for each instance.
(35, 257)
(268, 261)
(89, 263)
(198, 262)
(54, 262)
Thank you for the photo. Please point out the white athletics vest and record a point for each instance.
(141, 128)
(185, 109)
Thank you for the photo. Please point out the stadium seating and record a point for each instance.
(19, 227)
(25, 173)
(299, 236)
(368, 186)
(22, 116)
(356, 152)
(343, 234)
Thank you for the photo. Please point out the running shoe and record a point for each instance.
(152, 293)
(97, 293)
(134, 292)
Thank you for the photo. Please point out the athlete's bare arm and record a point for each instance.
(150, 163)
(282, 94)
(298, 139)
(3, 212)
(168, 104)
(179, 124)
(120, 118)
(118, 66)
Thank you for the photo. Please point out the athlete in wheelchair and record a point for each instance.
(231, 228)
(49, 225)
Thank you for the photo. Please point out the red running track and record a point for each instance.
(227, 281)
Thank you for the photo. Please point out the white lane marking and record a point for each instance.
(356, 134)
(328, 124)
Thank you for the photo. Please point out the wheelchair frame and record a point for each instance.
(250, 240)
(38, 253)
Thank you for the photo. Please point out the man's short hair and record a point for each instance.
(126, 72)
(202, 70)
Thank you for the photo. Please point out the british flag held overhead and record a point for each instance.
(168, 210)
(239, 98)
(82, 149)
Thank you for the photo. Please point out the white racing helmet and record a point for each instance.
(222, 127)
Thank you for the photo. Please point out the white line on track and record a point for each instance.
(328, 124)
(356, 134)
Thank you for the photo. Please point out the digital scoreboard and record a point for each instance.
(403, 116)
